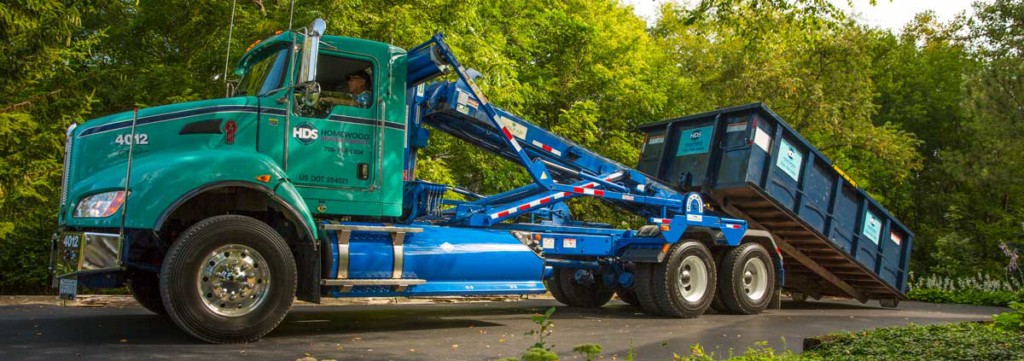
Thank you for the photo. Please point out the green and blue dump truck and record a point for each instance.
(219, 213)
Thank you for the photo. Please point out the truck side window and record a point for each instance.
(345, 81)
(265, 75)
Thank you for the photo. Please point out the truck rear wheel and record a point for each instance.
(628, 295)
(643, 285)
(554, 286)
(717, 305)
(145, 288)
(228, 279)
(588, 295)
(684, 284)
(748, 279)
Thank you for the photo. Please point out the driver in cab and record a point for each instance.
(356, 93)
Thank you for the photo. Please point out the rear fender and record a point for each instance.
(768, 242)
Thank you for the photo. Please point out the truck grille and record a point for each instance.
(67, 163)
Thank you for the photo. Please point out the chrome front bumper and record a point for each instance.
(85, 252)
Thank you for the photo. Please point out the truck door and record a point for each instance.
(333, 143)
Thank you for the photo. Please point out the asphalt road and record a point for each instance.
(458, 331)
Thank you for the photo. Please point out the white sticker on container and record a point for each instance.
(737, 127)
(548, 243)
(657, 139)
(569, 243)
(895, 238)
(517, 130)
(694, 218)
(790, 160)
(763, 140)
(872, 227)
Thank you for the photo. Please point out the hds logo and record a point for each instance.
(305, 133)
(695, 135)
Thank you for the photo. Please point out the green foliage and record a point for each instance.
(589, 350)
(1011, 321)
(760, 351)
(926, 120)
(539, 354)
(544, 325)
(41, 93)
(540, 350)
(959, 341)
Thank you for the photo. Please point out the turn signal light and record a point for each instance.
(265, 178)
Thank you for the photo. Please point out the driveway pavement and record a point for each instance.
(418, 330)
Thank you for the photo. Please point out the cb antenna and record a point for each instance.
(291, 14)
(227, 53)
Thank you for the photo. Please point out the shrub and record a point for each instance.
(959, 341)
(1011, 321)
(982, 290)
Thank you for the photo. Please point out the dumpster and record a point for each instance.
(836, 240)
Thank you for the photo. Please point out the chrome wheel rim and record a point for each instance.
(233, 280)
(755, 279)
(693, 279)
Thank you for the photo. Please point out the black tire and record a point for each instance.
(689, 267)
(180, 279)
(555, 287)
(628, 295)
(717, 305)
(743, 293)
(644, 286)
(580, 295)
(145, 288)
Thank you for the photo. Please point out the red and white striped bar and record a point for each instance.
(511, 139)
(558, 195)
(547, 148)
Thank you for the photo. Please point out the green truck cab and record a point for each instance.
(282, 149)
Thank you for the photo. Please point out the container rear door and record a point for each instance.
(650, 154)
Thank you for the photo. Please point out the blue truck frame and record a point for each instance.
(560, 169)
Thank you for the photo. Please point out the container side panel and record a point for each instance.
(818, 184)
(783, 183)
(844, 220)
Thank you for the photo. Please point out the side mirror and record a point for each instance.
(311, 50)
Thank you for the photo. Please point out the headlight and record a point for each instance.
(99, 205)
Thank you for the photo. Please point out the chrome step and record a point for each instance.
(347, 284)
(358, 228)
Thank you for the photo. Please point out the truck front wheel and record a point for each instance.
(228, 279)
(748, 279)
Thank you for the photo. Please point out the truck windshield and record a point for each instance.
(265, 75)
